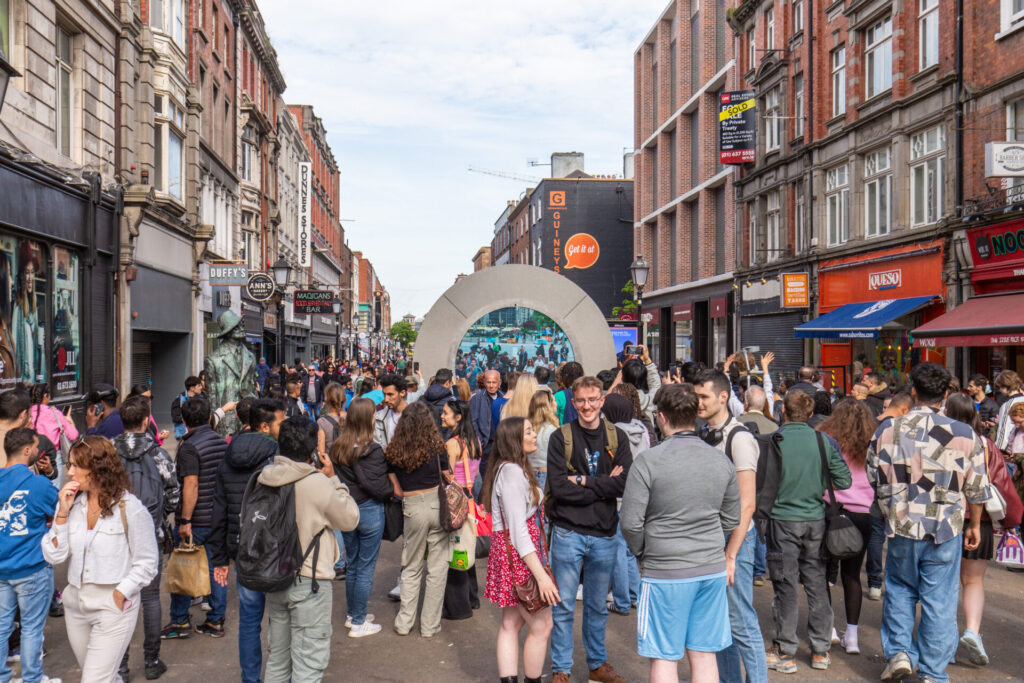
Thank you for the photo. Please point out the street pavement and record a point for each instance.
(464, 650)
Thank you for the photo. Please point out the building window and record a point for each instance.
(1014, 133)
(927, 176)
(772, 119)
(248, 153)
(798, 106)
(928, 32)
(878, 50)
(168, 16)
(156, 14)
(5, 27)
(769, 30)
(798, 16)
(751, 49)
(800, 220)
(877, 192)
(773, 227)
(64, 98)
(838, 81)
(1011, 14)
(754, 237)
(168, 141)
(837, 204)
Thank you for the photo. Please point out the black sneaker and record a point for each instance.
(123, 671)
(56, 605)
(339, 574)
(172, 631)
(155, 669)
(212, 628)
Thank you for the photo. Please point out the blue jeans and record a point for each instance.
(929, 574)
(340, 538)
(250, 615)
(362, 546)
(570, 552)
(32, 594)
(747, 643)
(760, 554)
(874, 553)
(625, 576)
(314, 408)
(218, 594)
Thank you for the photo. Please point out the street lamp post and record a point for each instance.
(639, 270)
(336, 307)
(282, 271)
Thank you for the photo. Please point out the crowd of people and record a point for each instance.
(673, 494)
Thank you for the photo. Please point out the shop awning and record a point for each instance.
(982, 321)
(860, 320)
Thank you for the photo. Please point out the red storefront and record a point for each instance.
(991, 322)
(911, 271)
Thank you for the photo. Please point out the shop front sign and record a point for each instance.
(885, 279)
(998, 254)
(897, 273)
(228, 274)
(260, 287)
(682, 313)
(795, 290)
(308, 301)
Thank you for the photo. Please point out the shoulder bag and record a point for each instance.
(995, 506)
(454, 503)
(65, 443)
(527, 592)
(842, 538)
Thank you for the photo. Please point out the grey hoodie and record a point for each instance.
(320, 503)
(639, 439)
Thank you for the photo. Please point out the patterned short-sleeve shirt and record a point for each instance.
(923, 466)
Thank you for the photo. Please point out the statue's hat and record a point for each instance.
(228, 321)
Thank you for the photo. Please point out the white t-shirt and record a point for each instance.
(745, 450)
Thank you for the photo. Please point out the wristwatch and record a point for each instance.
(184, 521)
(579, 480)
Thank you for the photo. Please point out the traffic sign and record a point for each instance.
(260, 287)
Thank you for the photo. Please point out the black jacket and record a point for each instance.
(589, 509)
(247, 453)
(293, 409)
(367, 479)
(318, 386)
(435, 397)
(211, 447)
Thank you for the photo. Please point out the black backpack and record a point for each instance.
(769, 470)
(269, 553)
(147, 485)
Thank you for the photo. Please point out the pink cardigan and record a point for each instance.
(48, 424)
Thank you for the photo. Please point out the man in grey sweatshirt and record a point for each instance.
(680, 503)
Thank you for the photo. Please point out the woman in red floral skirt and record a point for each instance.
(510, 493)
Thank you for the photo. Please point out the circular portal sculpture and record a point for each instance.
(489, 289)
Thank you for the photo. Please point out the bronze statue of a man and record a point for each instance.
(230, 370)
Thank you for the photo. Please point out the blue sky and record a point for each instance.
(413, 93)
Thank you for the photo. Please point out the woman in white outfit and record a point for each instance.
(108, 535)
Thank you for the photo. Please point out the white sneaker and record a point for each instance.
(367, 628)
(835, 636)
(348, 620)
(395, 594)
(875, 593)
(44, 679)
(850, 643)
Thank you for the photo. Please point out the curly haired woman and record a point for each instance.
(417, 460)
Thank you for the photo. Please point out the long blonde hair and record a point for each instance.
(519, 404)
(541, 412)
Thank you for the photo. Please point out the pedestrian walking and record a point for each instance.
(361, 466)
(193, 387)
(395, 389)
(247, 455)
(299, 617)
(512, 495)
(461, 593)
(107, 537)
(199, 455)
(155, 483)
(744, 658)
(852, 425)
(795, 533)
(588, 460)
(680, 501)
(26, 578)
(923, 507)
(418, 464)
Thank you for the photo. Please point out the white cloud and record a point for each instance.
(412, 93)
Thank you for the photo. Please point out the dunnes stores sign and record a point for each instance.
(305, 214)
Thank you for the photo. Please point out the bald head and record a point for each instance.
(755, 398)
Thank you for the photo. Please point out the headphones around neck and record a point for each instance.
(712, 436)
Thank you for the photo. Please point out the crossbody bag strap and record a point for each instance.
(60, 422)
(124, 523)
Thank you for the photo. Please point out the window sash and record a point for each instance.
(838, 206)
(798, 106)
(5, 27)
(753, 232)
(799, 220)
(877, 205)
(156, 14)
(927, 180)
(64, 108)
(798, 15)
(1015, 120)
(839, 81)
(879, 58)
(928, 32)
(751, 49)
(769, 20)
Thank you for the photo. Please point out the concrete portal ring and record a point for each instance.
(497, 287)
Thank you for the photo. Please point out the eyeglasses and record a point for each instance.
(588, 401)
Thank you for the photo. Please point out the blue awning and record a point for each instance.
(863, 320)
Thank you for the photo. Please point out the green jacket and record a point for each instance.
(802, 484)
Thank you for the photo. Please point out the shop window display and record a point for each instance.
(64, 357)
(23, 288)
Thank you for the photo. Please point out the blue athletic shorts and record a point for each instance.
(676, 615)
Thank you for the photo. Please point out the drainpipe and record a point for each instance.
(960, 358)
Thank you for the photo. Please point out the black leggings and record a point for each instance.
(849, 569)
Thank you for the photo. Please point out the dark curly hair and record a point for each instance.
(96, 454)
(416, 438)
(630, 392)
(852, 425)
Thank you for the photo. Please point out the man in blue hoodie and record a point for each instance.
(26, 580)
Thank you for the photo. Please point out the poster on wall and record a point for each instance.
(23, 286)
(64, 361)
